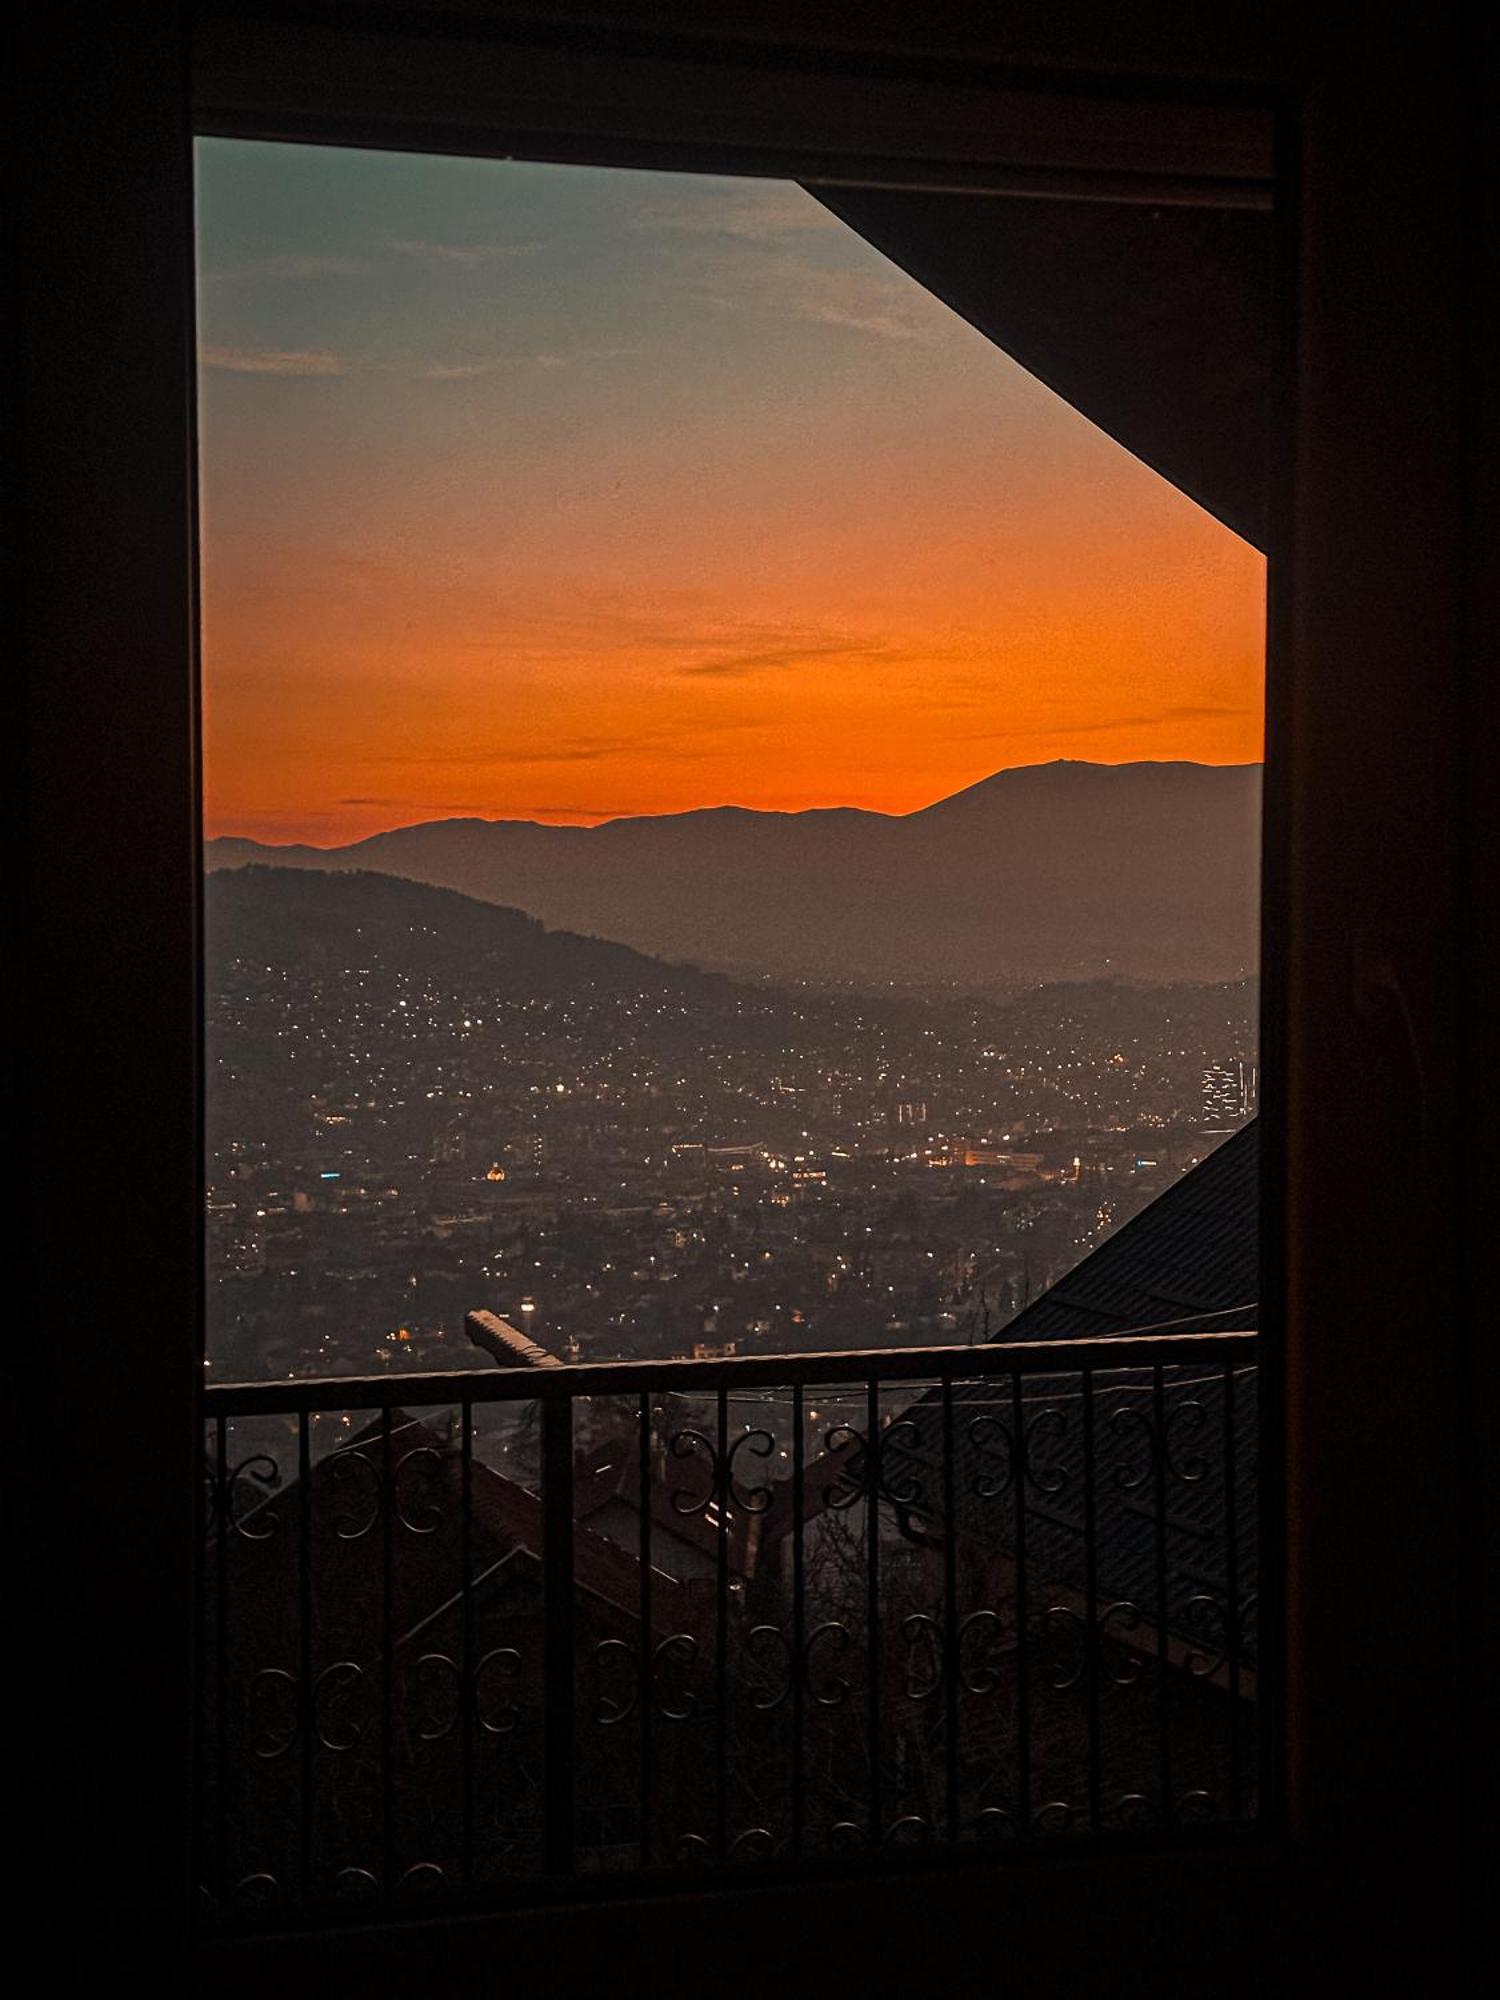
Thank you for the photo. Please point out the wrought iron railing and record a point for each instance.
(484, 1634)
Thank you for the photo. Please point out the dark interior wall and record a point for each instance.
(101, 1344)
(1379, 890)
(1128, 38)
(1478, 1350)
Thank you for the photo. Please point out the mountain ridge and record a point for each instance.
(1038, 872)
(275, 916)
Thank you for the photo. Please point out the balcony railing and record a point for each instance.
(491, 1634)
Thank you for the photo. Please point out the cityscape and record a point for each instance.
(409, 1121)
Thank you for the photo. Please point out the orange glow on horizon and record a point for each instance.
(343, 723)
(337, 707)
(715, 507)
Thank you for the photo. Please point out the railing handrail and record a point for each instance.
(1062, 1354)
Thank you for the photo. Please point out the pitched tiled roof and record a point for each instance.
(1190, 1261)
(509, 1519)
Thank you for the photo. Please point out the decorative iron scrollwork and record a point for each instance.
(260, 1887)
(429, 1519)
(753, 1499)
(854, 1477)
(1062, 1618)
(985, 1678)
(1126, 1419)
(924, 1639)
(1189, 1416)
(274, 1691)
(1127, 1616)
(503, 1662)
(891, 1451)
(341, 1678)
(249, 1516)
(1206, 1659)
(609, 1709)
(1050, 1479)
(434, 1671)
(761, 1639)
(992, 1440)
(838, 1690)
(685, 1444)
(348, 1467)
(422, 1878)
(684, 1647)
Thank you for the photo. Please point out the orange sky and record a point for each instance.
(552, 493)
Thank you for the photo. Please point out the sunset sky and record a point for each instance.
(558, 493)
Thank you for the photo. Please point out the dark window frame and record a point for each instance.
(561, 109)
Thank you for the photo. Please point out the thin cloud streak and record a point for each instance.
(496, 364)
(292, 265)
(295, 361)
(467, 256)
(487, 757)
(1207, 713)
(418, 805)
(754, 216)
(469, 371)
(885, 325)
(740, 664)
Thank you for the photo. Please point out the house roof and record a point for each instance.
(508, 1519)
(430, 1552)
(1190, 1261)
(681, 1503)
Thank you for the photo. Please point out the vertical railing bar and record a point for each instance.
(950, 1616)
(721, 1636)
(799, 1620)
(304, 1628)
(1091, 1596)
(1163, 1672)
(558, 1752)
(872, 1605)
(221, 1665)
(387, 1659)
(646, 1695)
(466, 1679)
(1023, 1621)
(1232, 1588)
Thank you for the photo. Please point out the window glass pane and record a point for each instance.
(732, 830)
(648, 558)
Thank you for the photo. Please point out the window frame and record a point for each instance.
(560, 109)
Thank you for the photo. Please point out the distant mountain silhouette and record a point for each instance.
(1054, 871)
(347, 918)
